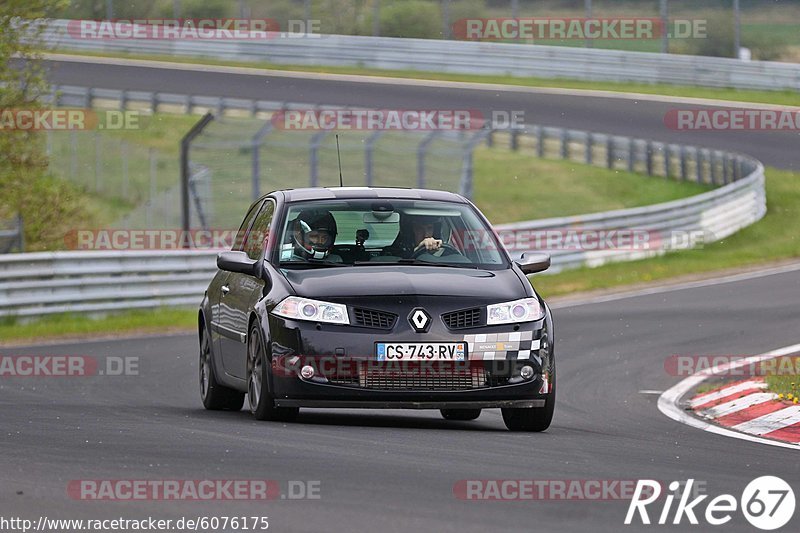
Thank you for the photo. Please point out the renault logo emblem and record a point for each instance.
(419, 320)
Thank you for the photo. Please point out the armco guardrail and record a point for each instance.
(45, 283)
(461, 57)
(675, 225)
(56, 282)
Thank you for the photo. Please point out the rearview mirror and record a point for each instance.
(236, 262)
(531, 263)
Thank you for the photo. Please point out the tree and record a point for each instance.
(44, 202)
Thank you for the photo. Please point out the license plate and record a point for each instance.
(421, 351)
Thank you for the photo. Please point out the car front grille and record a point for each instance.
(468, 318)
(422, 380)
(374, 319)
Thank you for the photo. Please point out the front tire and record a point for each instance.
(260, 400)
(215, 396)
(460, 414)
(532, 418)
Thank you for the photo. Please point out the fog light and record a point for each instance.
(526, 372)
(307, 372)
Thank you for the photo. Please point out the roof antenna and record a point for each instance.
(339, 155)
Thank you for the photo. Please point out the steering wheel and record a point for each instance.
(448, 249)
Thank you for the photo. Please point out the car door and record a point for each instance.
(238, 295)
(221, 320)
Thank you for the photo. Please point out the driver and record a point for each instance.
(416, 234)
(423, 228)
(314, 236)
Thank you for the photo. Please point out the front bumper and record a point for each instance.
(328, 349)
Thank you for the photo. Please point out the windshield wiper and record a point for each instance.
(315, 264)
(415, 262)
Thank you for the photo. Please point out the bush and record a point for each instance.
(411, 18)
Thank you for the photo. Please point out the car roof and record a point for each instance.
(349, 193)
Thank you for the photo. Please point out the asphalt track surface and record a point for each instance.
(395, 470)
(621, 116)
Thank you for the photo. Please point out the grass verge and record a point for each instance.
(786, 385)
(787, 98)
(74, 325)
(770, 239)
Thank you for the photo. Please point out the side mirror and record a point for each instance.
(236, 262)
(531, 263)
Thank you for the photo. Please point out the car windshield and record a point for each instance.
(374, 232)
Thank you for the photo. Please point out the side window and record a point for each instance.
(238, 241)
(257, 236)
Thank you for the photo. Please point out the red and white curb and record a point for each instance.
(745, 406)
(741, 410)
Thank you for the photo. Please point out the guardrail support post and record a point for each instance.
(713, 160)
(667, 162)
(631, 154)
(514, 138)
(649, 157)
(589, 147)
(540, 141)
(725, 169)
(698, 161)
(154, 103)
(684, 174)
(610, 151)
(564, 144)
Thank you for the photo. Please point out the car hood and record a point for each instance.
(405, 280)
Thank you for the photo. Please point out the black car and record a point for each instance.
(375, 298)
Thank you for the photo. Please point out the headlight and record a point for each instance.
(525, 310)
(298, 308)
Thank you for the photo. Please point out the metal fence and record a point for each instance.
(460, 57)
(240, 155)
(43, 283)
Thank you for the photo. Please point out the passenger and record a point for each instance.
(314, 236)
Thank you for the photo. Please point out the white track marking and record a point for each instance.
(771, 422)
(669, 402)
(727, 391)
(739, 404)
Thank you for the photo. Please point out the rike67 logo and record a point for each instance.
(767, 503)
